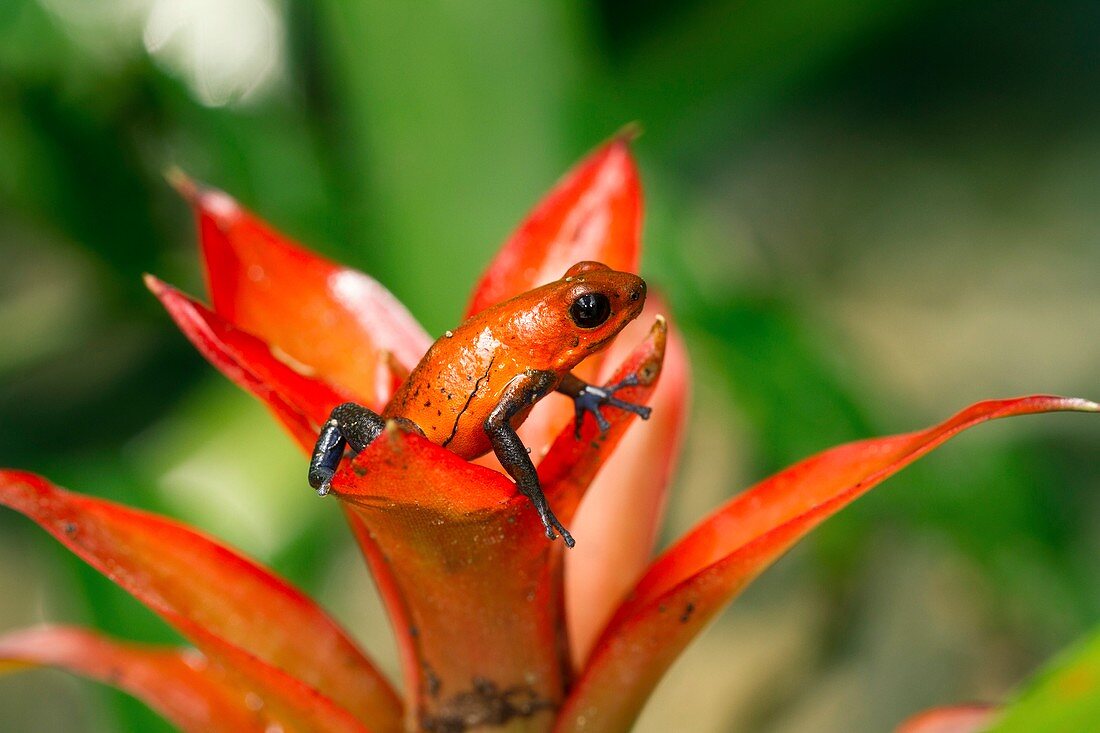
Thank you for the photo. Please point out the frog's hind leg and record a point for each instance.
(348, 424)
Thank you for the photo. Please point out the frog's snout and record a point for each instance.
(634, 295)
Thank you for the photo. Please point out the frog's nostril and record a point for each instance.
(635, 294)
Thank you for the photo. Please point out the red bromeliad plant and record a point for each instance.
(496, 626)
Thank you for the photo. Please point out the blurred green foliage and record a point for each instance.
(864, 214)
(1062, 698)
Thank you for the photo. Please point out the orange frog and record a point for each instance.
(477, 384)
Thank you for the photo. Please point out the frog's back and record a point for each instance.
(464, 375)
(456, 385)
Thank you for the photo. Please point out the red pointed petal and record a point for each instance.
(571, 464)
(594, 213)
(299, 401)
(551, 417)
(702, 572)
(296, 705)
(180, 684)
(621, 513)
(462, 563)
(338, 321)
(210, 593)
(234, 692)
(961, 719)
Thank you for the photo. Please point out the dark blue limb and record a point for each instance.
(349, 424)
(589, 398)
(513, 454)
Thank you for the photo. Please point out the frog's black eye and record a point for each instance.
(590, 310)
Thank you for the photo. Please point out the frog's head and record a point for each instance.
(588, 307)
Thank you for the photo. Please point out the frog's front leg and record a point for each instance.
(589, 398)
(348, 424)
(523, 392)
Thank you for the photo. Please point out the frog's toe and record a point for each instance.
(320, 478)
(640, 410)
(630, 380)
(566, 537)
(550, 523)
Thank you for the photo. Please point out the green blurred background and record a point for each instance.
(866, 215)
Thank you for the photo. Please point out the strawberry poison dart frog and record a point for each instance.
(476, 384)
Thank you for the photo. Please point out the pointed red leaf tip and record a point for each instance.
(594, 213)
(703, 571)
(571, 464)
(299, 401)
(621, 514)
(339, 322)
(960, 719)
(461, 562)
(182, 685)
(226, 604)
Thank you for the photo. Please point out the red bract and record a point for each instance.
(962, 719)
(495, 626)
